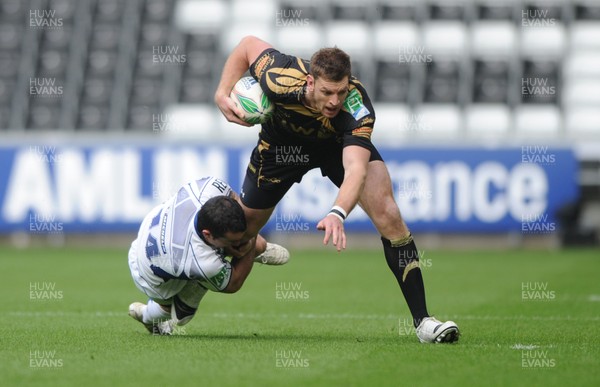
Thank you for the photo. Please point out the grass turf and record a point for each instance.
(347, 324)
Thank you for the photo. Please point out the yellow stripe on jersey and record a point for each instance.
(283, 81)
(302, 66)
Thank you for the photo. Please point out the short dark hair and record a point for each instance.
(331, 63)
(219, 215)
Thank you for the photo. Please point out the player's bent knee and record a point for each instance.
(384, 209)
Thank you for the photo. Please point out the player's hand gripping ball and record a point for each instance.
(249, 97)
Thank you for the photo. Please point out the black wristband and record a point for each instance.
(338, 213)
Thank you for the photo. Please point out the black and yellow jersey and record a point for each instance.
(283, 79)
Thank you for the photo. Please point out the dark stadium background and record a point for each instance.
(132, 83)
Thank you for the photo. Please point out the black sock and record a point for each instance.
(182, 310)
(403, 260)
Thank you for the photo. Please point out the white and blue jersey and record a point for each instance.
(168, 251)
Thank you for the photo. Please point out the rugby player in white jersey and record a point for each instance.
(181, 249)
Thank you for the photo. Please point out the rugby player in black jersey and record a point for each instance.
(322, 108)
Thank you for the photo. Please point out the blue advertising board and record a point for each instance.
(69, 188)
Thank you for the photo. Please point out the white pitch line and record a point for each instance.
(524, 346)
(308, 316)
(531, 347)
(525, 317)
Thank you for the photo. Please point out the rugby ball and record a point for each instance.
(248, 95)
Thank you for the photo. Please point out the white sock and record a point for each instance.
(153, 313)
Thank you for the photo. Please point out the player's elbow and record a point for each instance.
(246, 43)
(250, 47)
(233, 287)
(247, 40)
(251, 41)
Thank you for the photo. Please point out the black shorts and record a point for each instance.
(273, 169)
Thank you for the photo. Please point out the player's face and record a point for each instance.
(327, 96)
(229, 239)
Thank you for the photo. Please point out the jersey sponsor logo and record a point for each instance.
(262, 63)
(297, 128)
(218, 279)
(163, 231)
(309, 124)
(363, 132)
(354, 105)
(367, 121)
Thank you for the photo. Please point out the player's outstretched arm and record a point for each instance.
(355, 160)
(240, 269)
(238, 62)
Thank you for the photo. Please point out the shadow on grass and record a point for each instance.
(307, 337)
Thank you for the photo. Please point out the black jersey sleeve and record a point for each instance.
(282, 77)
(357, 117)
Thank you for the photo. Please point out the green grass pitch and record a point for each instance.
(325, 319)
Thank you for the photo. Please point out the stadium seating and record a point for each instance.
(303, 40)
(488, 120)
(473, 60)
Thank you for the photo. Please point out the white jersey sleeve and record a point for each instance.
(208, 266)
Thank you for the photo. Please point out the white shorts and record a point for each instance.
(188, 291)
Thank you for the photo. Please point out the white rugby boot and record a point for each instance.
(431, 330)
(273, 255)
(136, 310)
